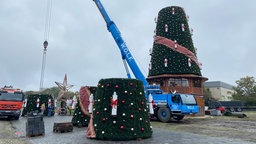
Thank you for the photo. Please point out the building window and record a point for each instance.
(197, 83)
(178, 82)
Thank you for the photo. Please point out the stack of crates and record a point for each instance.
(35, 126)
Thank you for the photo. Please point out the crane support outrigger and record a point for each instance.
(165, 105)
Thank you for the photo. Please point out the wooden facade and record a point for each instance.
(182, 83)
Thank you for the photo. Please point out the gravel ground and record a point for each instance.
(216, 126)
(193, 130)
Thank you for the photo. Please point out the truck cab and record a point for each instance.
(11, 101)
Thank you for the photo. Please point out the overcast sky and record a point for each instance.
(81, 46)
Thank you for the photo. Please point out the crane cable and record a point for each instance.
(46, 38)
(47, 22)
(48, 19)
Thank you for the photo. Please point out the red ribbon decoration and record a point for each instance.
(114, 103)
(171, 44)
(152, 102)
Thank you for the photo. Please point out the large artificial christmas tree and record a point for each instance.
(173, 50)
(34, 102)
(80, 119)
(120, 110)
(174, 64)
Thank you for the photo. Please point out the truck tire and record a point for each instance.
(239, 109)
(232, 109)
(178, 117)
(163, 114)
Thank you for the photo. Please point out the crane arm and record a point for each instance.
(112, 28)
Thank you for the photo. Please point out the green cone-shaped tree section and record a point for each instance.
(79, 118)
(35, 101)
(131, 120)
(172, 25)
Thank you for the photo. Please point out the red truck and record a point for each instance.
(232, 106)
(11, 101)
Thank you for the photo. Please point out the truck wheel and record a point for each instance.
(163, 114)
(239, 109)
(232, 109)
(178, 117)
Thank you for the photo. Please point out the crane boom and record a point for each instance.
(126, 54)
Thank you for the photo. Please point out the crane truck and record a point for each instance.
(165, 105)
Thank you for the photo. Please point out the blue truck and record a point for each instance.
(163, 106)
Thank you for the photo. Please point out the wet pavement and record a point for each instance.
(159, 136)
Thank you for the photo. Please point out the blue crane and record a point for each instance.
(163, 106)
(126, 54)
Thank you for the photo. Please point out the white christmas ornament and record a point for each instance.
(25, 103)
(151, 103)
(74, 102)
(37, 102)
(173, 11)
(91, 104)
(182, 27)
(55, 102)
(49, 102)
(165, 62)
(166, 28)
(175, 44)
(189, 62)
(114, 104)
